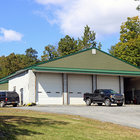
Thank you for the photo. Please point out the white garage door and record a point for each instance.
(77, 86)
(108, 82)
(49, 87)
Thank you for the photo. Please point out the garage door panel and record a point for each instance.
(76, 94)
(49, 88)
(77, 86)
(51, 101)
(108, 82)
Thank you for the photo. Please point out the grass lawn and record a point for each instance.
(31, 125)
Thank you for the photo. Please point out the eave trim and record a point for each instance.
(77, 70)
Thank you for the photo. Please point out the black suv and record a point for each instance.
(8, 98)
(106, 96)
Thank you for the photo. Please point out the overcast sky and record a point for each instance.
(36, 23)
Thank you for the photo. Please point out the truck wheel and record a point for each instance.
(99, 104)
(119, 104)
(2, 104)
(14, 105)
(107, 102)
(88, 102)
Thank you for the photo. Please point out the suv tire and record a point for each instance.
(88, 102)
(119, 104)
(107, 102)
(2, 104)
(99, 104)
(14, 105)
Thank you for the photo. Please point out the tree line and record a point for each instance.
(128, 48)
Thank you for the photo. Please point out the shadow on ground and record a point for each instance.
(12, 126)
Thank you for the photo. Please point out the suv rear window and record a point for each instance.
(12, 94)
(2, 94)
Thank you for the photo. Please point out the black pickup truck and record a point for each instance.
(106, 96)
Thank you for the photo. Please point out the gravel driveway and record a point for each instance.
(128, 115)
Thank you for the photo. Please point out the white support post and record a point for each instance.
(65, 89)
(121, 85)
(94, 83)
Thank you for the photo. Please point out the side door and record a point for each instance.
(101, 96)
(96, 95)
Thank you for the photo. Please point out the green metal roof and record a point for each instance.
(4, 81)
(87, 61)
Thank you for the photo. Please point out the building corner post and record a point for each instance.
(121, 80)
(32, 86)
(65, 88)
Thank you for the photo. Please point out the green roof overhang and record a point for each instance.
(88, 71)
(3, 82)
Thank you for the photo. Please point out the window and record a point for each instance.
(2, 94)
(14, 88)
(110, 91)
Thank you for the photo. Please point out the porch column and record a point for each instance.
(121, 81)
(65, 88)
(94, 82)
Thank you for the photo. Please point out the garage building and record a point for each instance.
(64, 80)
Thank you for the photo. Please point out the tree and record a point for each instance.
(14, 62)
(99, 46)
(128, 48)
(49, 53)
(88, 40)
(138, 7)
(67, 45)
(31, 56)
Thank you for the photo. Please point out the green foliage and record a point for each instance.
(67, 45)
(10, 64)
(128, 48)
(88, 40)
(49, 53)
(14, 62)
(31, 55)
(130, 29)
(99, 46)
(138, 7)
